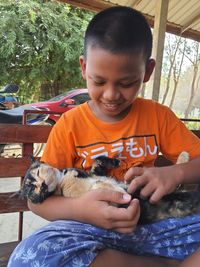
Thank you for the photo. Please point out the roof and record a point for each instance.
(183, 15)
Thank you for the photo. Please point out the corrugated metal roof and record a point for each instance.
(183, 15)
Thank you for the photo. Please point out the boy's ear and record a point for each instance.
(149, 69)
(83, 66)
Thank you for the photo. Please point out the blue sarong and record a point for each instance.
(70, 243)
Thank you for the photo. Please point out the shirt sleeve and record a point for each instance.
(58, 151)
(175, 137)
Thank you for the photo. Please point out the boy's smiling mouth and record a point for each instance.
(111, 105)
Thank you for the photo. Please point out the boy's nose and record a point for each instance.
(111, 93)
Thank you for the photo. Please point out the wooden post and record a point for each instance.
(158, 43)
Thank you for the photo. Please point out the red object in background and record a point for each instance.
(62, 103)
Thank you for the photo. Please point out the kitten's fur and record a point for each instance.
(42, 180)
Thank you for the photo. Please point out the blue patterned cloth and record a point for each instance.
(74, 244)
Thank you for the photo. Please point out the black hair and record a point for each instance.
(119, 29)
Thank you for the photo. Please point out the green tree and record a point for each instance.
(40, 45)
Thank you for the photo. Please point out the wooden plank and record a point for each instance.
(12, 203)
(5, 251)
(196, 132)
(13, 167)
(14, 133)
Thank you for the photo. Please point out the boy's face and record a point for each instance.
(114, 81)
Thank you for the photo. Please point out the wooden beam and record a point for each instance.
(191, 22)
(98, 5)
(158, 43)
(11, 202)
(189, 33)
(132, 3)
(17, 133)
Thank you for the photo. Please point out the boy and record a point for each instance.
(87, 231)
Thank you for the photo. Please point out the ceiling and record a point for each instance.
(183, 15)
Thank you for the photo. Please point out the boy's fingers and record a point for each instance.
(134, 208)
(136, 183)
(124, 224)
(130, 214)
(112, 196)
(132, 173)
(134, 205)
(127, 230)
(130, 224)
(156, 196)
(147, 191)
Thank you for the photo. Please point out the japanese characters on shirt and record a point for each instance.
(132, 150)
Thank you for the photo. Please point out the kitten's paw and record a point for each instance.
(183, 157)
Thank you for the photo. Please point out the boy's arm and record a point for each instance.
(159, 181)
(93, 208)
(190, 172)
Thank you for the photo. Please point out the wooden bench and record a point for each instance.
(27, 135)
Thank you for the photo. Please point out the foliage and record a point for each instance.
(40, 44)
(193, 125)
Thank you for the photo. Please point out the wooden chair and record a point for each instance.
(26, 135)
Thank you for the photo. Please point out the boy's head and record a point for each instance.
(116, 61)
(119, 30)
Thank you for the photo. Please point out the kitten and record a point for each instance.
(43, 180)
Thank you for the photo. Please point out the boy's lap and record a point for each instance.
(172, 238)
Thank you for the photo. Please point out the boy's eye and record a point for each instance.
(99, 82)
(127, 85)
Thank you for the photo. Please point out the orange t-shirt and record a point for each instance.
(149, 128)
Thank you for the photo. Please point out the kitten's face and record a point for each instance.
(40, 182)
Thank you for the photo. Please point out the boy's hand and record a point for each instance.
(94, 208)
(154, 182)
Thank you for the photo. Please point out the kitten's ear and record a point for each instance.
(32, 159)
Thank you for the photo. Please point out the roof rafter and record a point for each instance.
(97, 5)
(132, 3)
(191, 22)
